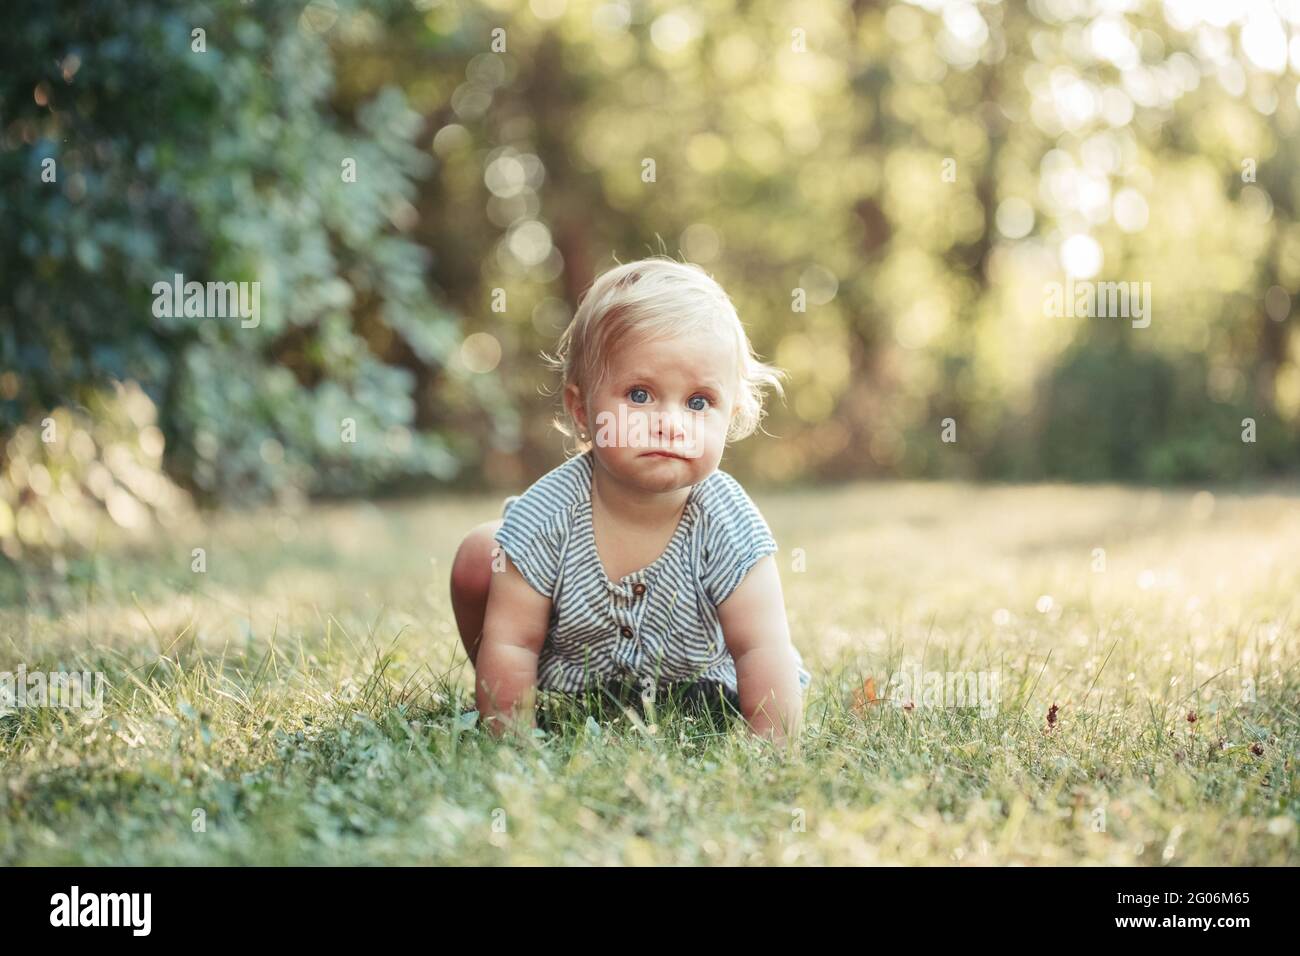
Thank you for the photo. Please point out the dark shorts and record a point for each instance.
(705, 700)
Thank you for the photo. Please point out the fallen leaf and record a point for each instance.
(865, 696)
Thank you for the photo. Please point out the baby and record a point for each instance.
(638, 559)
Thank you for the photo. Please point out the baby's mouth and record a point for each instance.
(661, 453)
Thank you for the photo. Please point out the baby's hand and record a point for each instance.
(757, 634)
(518, 723)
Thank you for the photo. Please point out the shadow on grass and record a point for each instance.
(711, 704)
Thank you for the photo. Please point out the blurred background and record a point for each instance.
(424, 188)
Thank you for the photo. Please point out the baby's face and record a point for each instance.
(659, 420)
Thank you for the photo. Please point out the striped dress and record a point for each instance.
(659, 624)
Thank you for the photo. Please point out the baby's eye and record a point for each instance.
(632, 393)
(699, 398)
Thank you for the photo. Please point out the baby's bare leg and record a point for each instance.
(471, 576)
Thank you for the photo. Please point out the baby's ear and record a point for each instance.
(573, 402)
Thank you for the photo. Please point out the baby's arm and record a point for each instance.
(514, 630)
(758, 637)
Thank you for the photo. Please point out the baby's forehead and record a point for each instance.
(703, 354)
(708, 345)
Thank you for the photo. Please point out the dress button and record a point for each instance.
(625, 631)
(638, 589)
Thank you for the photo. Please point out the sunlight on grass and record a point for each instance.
(306, 698)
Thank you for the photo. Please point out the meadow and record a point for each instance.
(304, 697)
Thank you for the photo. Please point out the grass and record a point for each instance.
(305, 699)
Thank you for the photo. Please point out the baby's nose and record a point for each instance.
(671, 425)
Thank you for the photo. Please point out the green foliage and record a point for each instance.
(917, 175)
(223, 165)
(1112, 412)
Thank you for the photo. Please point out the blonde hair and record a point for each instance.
(649, 299)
